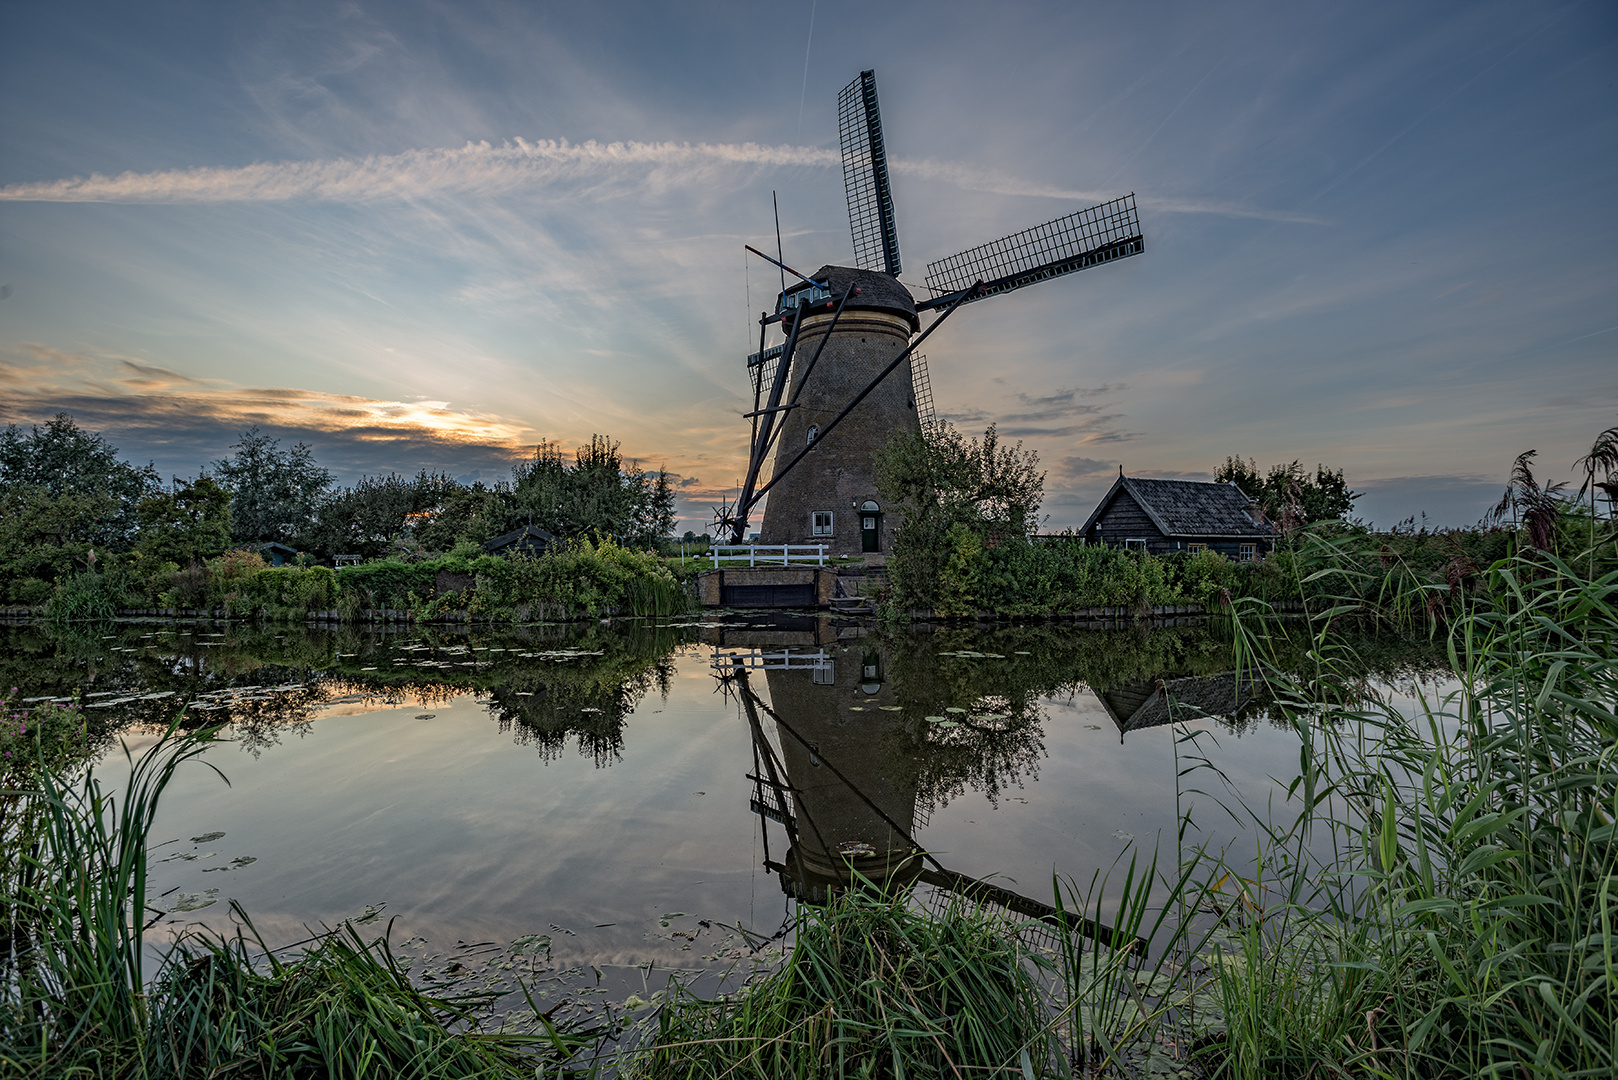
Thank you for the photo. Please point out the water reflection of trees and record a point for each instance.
(551, 685)
(544, 684)
(586, 698)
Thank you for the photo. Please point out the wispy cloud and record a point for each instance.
(478, 167)
(484, 168)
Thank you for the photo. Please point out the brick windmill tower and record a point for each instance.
(847, 375)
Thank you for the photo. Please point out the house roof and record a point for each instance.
(527, 536)
(1188, 507)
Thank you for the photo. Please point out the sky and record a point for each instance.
(1380, 236)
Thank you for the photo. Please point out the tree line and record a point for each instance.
(68, 499)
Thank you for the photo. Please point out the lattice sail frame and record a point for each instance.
(1068, 244)
(865, 177)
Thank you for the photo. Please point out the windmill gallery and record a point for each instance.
(847, 373)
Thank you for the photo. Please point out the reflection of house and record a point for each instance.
(1155, 702)
(528, 540)
(1159, 516)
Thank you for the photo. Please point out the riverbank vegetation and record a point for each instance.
(585, 578)
(970, 505)
(77, 999)
(1430, 899)
(85, 534)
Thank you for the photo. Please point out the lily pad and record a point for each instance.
(195, 901)
(369, 914)
(954, 709)
(206, 837)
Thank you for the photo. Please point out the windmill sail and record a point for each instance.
(1068, 244)
(865, 177)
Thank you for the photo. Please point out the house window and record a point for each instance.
(1249, 552)
(814, 431)
(1194, 548)
(820, 523)
(1135, 545)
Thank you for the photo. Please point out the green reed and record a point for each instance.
(1441, 900)
(75, 1000)
(873, 987)
(1432, 894)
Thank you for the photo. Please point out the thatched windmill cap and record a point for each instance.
(878, 291)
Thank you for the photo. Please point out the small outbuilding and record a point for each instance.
(1162, 516)
(275, 554)
(528, 540)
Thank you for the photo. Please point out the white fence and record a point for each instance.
(768, 554)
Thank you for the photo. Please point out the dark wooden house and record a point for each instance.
(528, 540)
(275, 554)
(1162, 516)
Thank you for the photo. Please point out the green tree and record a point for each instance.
(374, 515)
(1288, 494)
(476, 513)
(66, 498)
(275, 493)
(187, 524)
(62, 461)
(600, 494)
(938, 480)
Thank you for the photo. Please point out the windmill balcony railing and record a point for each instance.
(772, 660)
(768, 554)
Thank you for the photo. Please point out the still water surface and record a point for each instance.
(639, 793)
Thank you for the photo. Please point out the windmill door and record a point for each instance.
(870, 528)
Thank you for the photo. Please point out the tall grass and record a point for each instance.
(1434, 894)
(1441, 901)
(873, 987)
(75, 1000)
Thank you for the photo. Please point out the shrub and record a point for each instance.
(30, 590)
(84, 596)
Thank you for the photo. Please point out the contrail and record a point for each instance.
(482, 168)
(478, 167)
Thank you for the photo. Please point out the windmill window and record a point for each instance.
(820, 523)
(814, 432)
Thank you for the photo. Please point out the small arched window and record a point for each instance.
(814, 431)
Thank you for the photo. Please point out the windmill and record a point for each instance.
(843, 381)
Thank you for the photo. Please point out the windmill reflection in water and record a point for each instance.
(840, 778)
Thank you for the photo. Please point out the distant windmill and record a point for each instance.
(842, 382)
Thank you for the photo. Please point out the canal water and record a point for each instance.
(594, 807)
